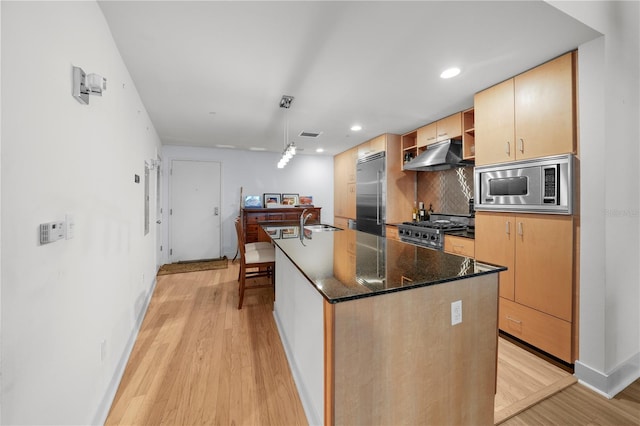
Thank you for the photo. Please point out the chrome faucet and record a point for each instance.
(303, 218)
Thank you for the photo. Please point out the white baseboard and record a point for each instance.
(609, 385)
(110, 393)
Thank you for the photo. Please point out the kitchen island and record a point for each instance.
(378, 331)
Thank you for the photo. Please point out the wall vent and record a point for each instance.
(310, 134)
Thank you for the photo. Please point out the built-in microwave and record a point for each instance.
(541, 185)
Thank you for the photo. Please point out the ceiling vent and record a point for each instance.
(312, 135)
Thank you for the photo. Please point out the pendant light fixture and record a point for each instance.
(290, 148)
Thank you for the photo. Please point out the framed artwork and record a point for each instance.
(290, 232)
(252, 201)
(305, 200)
(289, 199)
(271, 199)
(273, 233)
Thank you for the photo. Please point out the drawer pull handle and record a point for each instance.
(514, 320)
(520, 229)
(508, 227)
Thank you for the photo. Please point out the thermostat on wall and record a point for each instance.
(50, 232)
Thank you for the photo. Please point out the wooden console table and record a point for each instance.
(251, 218)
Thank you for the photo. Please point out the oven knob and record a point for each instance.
(401, 231)
(433, 237)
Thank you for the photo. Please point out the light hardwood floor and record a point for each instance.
(199, 360)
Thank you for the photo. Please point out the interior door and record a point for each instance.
(159, 235)
(194, 210)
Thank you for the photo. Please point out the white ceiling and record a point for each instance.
(211, 73)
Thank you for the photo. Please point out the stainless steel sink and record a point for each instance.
(321, 227)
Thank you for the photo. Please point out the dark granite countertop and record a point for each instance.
(348, 264)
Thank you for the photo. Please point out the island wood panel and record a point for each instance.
(398, 360)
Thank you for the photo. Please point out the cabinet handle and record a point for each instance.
(507, 227)
(520, 229)
(521, 145)
(514, 320)
(507, 149)
(431, 138)
(443, 134)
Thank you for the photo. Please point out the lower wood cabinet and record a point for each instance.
(543, 331)
(459, 245)
(538, 289)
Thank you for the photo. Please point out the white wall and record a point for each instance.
(256, 173)
(610, 189)
(60, 301)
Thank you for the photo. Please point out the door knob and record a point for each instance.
(215, 211)
(158, 221)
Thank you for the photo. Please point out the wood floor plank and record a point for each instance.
(200, 360)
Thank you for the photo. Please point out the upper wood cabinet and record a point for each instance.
(529, 116)
(377, 144)
(344, 178)
(426, 135)
(449, 127)
(400, 185)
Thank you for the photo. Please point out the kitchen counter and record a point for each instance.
(377, 331)
(381, 265)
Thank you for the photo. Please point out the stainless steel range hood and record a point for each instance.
(439, 156)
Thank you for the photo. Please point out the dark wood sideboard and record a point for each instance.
(251, 218)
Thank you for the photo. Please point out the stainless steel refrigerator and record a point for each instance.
(371, 194)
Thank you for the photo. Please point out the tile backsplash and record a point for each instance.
(448, 191)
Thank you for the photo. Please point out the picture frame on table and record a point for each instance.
(273, 233)
(252, 201)
(271, 199)
(290, 232)
(305, 200)
(289, 199)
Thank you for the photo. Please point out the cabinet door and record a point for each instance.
(340, 170)
(544, 264)
(494, 121)
(350, 211)
(494, 243)
(427, 135)
(372, 146)
(449, 127)
(545, 109)
(351, 158)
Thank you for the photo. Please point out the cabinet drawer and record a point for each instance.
(543, 331)
(392, 232)
(256, 217)
(459, 245)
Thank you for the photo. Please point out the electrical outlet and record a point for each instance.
(456, 312)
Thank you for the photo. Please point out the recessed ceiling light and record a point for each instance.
(319, 150)
(225, 146)
(356, 127)
(256, 148)
(450, 72)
